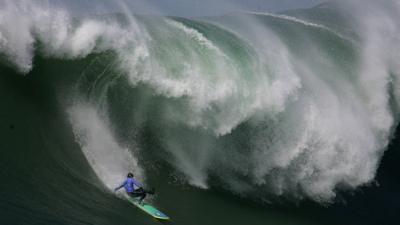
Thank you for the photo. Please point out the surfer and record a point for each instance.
(134, 188)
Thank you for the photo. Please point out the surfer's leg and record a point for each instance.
(142, 195)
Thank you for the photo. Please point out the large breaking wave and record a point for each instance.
(299, 105)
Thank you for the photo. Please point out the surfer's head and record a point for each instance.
(130, 175)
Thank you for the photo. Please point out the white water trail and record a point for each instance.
(110, 161)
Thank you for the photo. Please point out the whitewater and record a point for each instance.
(293, 105)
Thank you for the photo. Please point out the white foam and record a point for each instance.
(332, 135)
(22, 23)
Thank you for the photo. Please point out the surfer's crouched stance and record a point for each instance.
(134, 188)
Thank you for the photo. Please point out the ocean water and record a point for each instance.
(245, 118)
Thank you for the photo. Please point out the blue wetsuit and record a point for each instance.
(129, 184)
(134, 189)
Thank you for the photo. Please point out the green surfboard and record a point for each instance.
(149, 209)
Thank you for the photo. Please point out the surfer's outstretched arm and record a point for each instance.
(120, 186)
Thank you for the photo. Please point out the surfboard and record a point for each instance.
(149, 209)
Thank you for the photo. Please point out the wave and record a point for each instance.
(252, 103)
